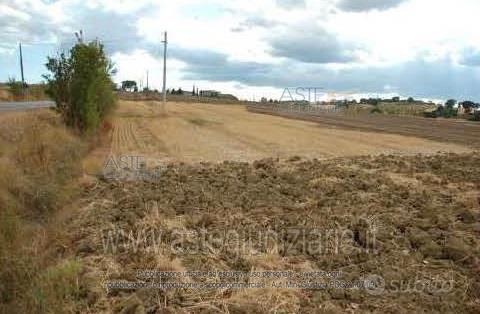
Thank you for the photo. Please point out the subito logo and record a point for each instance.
(374, 284)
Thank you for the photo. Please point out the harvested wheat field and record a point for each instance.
(201, 132)
(245, 213)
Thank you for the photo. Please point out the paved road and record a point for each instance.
(24, 105)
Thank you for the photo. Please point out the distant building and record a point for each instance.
(209, 93)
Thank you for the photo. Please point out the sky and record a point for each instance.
(428, 49)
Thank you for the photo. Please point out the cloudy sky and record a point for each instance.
(423, 48)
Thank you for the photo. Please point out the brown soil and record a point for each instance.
(443, 130)
(424, 213)
(411, 220)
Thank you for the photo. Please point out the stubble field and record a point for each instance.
(202, 132)
(277, 200)
(250, 213)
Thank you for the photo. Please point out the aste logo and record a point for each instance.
(125, 162)
(128, 167)
(310, 94)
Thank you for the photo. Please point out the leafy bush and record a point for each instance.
(81, 85)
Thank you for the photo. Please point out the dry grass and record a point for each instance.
(405, 109)
(33, 93)
(39, 160)
(4, 94)
(202, 132)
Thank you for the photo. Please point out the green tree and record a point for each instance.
(129, 85)
(374, 101)
(467, 104)
(447, 110)
(450, 103)
(81, 85)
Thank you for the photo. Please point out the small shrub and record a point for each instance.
(16, 87)
(81, 86)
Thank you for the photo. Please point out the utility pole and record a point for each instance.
(165, 68)
(147, 81)
(21, 68)
(79, 35)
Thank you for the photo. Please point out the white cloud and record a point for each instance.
(367, 5)
(267, 44)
